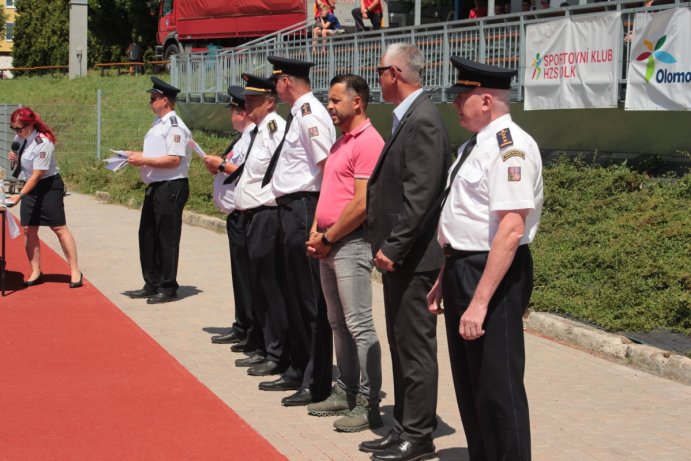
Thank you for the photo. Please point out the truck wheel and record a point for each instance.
(170, 51)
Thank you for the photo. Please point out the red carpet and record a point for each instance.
(80, 381)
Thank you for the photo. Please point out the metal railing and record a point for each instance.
(498, 40)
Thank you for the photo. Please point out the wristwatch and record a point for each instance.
(326, 241)
(222, 167)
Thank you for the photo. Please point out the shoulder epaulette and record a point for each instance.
(306, 109)
(504, 138)
(39, 139)
(174, 121)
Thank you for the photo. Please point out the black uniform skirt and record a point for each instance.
(44, 206)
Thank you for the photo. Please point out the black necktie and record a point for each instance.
(236, 174)
(274, 158)
(18, 168)
(464, 155)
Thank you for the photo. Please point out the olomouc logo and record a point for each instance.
(655, 54)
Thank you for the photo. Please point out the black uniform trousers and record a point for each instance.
(268, 303)
(412, 334)
(160, 228)
(488, 372)
(311, 347)
(239, 271)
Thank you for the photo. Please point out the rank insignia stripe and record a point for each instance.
(39, 140)
(513, 153)
(306, 109)
(504, 138)
(313, 131)
(174, 121)
(272, 126)
(514, 173)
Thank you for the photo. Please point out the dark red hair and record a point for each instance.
(28, 117)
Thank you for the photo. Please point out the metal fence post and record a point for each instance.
(98, 124)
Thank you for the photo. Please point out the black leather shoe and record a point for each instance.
(160, 298)
(373, 446)
(37, 281)
(79, 283)
(281, 384)
(242, 347)
(230, 338)
(139, 294)
(301, 397)
(250, 361)
(406, 451)
(267, 368)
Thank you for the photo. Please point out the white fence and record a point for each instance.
(498, 40)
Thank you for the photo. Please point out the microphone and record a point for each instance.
(15, 148)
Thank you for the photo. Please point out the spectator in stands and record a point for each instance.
(526, 5)
(479, 11)
(507, 7)
(564, 4)
(328, 25)
(369, 9)
(498, 8)
(544, 4)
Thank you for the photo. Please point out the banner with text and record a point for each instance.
(572, 63)
(659, 76)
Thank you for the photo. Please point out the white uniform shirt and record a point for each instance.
(167, 136)
(493, 179)
(307, 143)
(224, 194)
(39, 154)
(249, 192)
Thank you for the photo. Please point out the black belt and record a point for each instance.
(451, 252)
(255, 210)
(285, 199)
(158, 183)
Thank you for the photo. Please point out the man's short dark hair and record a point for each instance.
(354, 83)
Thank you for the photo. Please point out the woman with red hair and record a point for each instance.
(42, 194)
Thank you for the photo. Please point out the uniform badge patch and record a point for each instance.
(176, 138)
(174, 121)
(272, 126)
(306, 109)
(42, 155)
(504, 138)
(514, 173)
(513, 153)
(314, 131)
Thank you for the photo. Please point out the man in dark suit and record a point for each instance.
(402, 201)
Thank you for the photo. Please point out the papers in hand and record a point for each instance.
(117, 160)
(192, 144)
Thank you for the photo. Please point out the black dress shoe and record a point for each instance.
(373, 446)
(406, 451)
(243, 347)
(266, 368)
(160, 298)
(78, 283)
(250, 361)
(301, 397)
(37, 281)
(281, 384)
(139, 294)
(230, 338)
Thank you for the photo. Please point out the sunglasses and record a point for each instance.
(381, 70)
(18, 129)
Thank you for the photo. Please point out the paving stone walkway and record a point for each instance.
(582, 407)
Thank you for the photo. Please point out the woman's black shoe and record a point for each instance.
(78, 283)
(38, 280)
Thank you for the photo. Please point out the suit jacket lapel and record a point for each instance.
(393, 136)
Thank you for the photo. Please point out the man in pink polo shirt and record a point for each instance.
(337, 240)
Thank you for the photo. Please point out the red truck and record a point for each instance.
(192, 25)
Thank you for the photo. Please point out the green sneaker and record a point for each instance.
(335, 404)
(363, 416)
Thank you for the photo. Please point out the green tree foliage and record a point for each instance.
(40, 33)
(42, 30)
